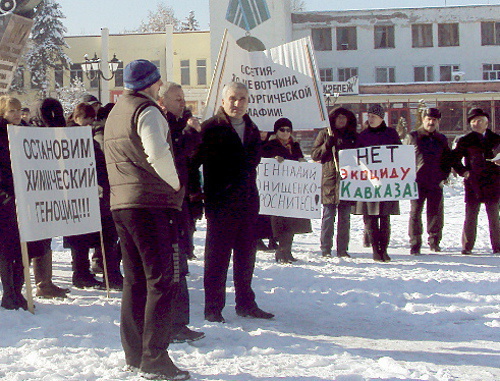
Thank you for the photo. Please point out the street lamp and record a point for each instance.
(92, 69)
(329, 97)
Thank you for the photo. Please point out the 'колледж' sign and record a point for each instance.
(378, 173)
(55, 181)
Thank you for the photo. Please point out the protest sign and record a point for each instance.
(14, 33)
(282, 82)
(289, 189)
(378, 173)
(55, 181)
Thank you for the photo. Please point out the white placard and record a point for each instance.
(55, 181)
(290, 188)
(378, 173)
(282, 82)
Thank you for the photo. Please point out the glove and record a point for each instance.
(330, 142)
(280, 159)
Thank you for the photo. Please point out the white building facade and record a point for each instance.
(407, 45)
(445, 57)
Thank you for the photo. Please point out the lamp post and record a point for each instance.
(92, 70)
(329, 97)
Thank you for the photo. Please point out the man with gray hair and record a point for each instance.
(230, 153)
(184, 142)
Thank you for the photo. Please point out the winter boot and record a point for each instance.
(42, 268)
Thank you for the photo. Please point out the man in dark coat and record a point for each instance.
(145, 195)
(482, 178)
(341, 134)
(433, 161)
(230, 154)
(185, 140)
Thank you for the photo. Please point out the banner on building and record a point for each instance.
(282, 82)
(14, 33)
(290, 188)
(55, 181)
(349, 87)
(378, 173)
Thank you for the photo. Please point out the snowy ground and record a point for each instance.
(434, 317)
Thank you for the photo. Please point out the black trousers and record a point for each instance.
(11, 264)
(151, 283)
(435, 217)
(379, 228)
(229, 229)
(470, 224)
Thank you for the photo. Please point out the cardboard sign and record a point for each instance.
(14, 33)
(282, 82)
(378, 173)
(289, 189)
(55, 181)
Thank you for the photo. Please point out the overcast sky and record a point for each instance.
(89, 16)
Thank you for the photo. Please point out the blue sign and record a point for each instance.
(247, 14)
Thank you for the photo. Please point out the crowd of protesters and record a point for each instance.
(149, 152)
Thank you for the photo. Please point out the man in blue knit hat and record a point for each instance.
(145, 195)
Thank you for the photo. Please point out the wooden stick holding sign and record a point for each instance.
(104, 265)
(27, 277)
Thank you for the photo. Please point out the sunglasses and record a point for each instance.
(285, 129)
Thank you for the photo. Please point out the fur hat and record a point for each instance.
(377, 110)
(140, 74)
(90, 99)
(475, 112)
(282, 122)
(431, 113)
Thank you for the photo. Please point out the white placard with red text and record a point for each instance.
(378, 173)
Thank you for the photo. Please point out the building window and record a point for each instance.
(344, 73)
(445, 72)
(384, 36)
(491, 72)
(59, 76)
(423, 73)
(18, 80)
(119, 75)
(185, 79)
(76, 73)
(201, 70)
(448, 35)
(322, 38)
(421, 35)
(346, 38)
(326, 75)
(490, 33)
(385, 74)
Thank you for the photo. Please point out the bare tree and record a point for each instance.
(297, 5)
(158, 20)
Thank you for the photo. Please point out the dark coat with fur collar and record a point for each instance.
(483, 184)
(229, 165)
